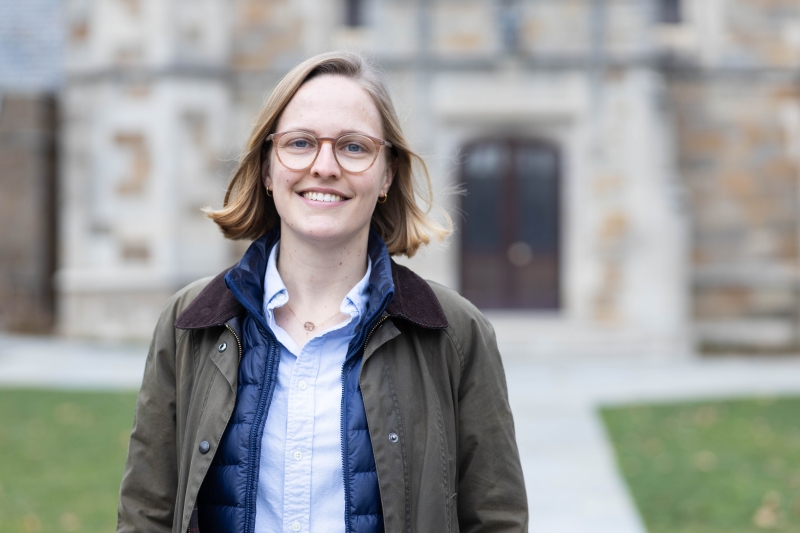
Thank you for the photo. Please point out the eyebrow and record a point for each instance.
(341, 132)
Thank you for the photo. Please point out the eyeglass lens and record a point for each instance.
(355, 153)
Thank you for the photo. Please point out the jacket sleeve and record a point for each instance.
(149, 484)
(491, 491)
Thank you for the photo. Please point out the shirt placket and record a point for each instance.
(299, 439)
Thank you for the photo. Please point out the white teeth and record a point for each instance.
(322, 197)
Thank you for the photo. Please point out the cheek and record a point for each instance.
(383, 174)
(281, 177)
(373, 186)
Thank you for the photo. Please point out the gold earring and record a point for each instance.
(269, 192)
(382, 199)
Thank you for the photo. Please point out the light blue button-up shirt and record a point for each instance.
(301, 483)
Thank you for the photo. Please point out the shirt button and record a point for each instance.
(222, 347)
(302, 385)
(204, 447)
(393, 437)
(297, 456)
(281, 297)
(295, 526)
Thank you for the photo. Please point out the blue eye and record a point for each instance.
(354, 148)
(299, 143)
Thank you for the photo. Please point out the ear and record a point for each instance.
(265, 179)
(391, 170)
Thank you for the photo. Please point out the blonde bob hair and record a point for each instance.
(248, 212)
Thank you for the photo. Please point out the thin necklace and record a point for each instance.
(309, 325)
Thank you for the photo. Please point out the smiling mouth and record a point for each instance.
(322, 197)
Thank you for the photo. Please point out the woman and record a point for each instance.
(317, 385)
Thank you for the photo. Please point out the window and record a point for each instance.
(669, 11)
(509, 25)
(510, 233)
(354, 13)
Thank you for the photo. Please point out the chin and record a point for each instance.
(326, 233)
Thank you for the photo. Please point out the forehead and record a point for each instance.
(329, 105)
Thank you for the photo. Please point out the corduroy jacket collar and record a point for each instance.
(413, 300)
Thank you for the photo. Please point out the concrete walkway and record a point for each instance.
(70, 364)
(572, 482)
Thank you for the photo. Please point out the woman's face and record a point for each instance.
(328, 106)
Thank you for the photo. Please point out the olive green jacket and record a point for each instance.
(431, 374)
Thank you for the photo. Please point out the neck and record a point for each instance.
(318, 277)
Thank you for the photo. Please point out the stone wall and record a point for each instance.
(739, 142)
(736, 99)
(146, 143)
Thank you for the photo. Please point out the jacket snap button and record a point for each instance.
(204, 446)
(393, 437)
(222, 347)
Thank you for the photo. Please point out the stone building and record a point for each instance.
(629, 166)
(30, 76)
(734, 89)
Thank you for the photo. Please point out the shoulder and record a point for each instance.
(470, 333)
(205, 303)
(179, 301)
(461, 313)
(185, 296)
(431, 305)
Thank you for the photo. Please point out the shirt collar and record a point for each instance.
(355, 303)
(240, 290)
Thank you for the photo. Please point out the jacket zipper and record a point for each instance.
(342, 425)
(238, 341)
(381, 321)
(239, 345)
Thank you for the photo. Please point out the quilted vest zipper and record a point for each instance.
(254, 445)
(258, 422)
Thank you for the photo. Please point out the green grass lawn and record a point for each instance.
(706, 467)
(62, 456)
(711, 467)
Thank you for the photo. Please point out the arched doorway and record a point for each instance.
(510, 232)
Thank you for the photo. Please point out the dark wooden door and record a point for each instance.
(510, 232)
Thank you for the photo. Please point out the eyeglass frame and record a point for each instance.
(274, 137)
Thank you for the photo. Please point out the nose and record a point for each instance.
(325, 165)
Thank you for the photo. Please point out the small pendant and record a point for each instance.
(309, 326)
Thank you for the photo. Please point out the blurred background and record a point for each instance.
(630, 168)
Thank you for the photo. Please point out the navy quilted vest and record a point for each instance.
(226, 502)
